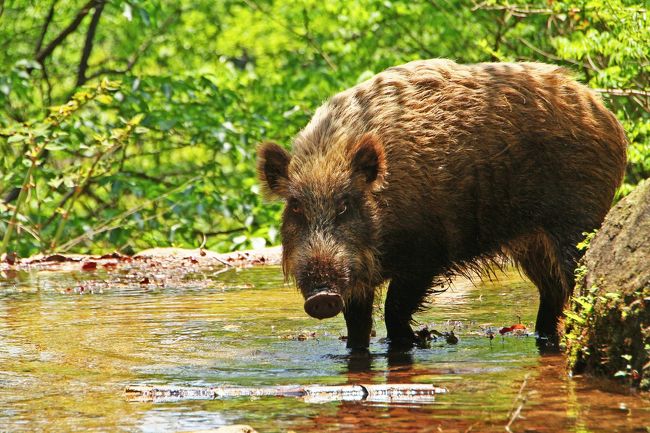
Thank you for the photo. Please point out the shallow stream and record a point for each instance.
(70, 341)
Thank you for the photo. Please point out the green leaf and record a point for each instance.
(135, 120)
(17, 138)
(574, 317)
(104, 98)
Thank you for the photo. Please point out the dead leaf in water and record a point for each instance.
(89, 266)
(114, 255)
(9, 258)
(305, 335)
(517, 328)
(58, 258)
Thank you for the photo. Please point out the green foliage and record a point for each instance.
(602, 334)
(167, 155)
(600, 327)
(584, 244)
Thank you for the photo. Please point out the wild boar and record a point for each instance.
(433, 168)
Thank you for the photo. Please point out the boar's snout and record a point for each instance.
(324, 304)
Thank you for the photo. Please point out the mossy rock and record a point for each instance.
(608, 325)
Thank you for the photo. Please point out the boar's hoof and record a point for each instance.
(324, 305)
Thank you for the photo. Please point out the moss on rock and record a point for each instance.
(608, 324)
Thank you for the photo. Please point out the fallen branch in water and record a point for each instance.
(388, 393)
(520, 401)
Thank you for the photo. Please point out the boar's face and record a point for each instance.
(329, 226)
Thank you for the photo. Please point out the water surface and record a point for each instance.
(71, 341)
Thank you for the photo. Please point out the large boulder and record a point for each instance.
(608, 325)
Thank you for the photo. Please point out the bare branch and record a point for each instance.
(46, 25)
(45, 52)
(63, 201)
(519, 11)
(411, 36)
(48, 83)
(88, 45)
(551, 56)
(640, 97)
(116, 221)
(502, 29)
(145, 176)
(310, 39)
(307, 37)
(140, 51)
(90, 193)
(220, 233)
(625, 92)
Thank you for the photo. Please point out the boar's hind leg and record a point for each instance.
(550, 266)
(358, 319)
(405, 296)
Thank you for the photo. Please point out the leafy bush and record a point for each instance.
(164, 153)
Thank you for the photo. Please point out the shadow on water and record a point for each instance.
(67, 354)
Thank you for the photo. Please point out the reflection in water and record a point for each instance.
(66, 355)
(359, 362)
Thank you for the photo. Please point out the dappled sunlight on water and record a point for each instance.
(66, 356)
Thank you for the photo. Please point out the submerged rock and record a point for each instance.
(608, 327)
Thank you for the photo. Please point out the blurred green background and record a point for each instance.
(133, 124)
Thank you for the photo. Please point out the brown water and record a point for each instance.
(66, 356)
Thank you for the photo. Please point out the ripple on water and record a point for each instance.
(67, 353)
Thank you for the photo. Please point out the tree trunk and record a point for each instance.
(608, 327)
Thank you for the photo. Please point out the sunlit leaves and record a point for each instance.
(203, 82)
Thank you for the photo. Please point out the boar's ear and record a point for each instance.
(272, 169)
(369, 160)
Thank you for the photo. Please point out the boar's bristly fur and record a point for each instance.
(432, 168)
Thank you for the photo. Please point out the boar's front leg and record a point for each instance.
(405, 296)
(358, 318)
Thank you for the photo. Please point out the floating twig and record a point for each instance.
(387, 393)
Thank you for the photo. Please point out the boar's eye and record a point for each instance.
(295, 206)
(342, 206)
